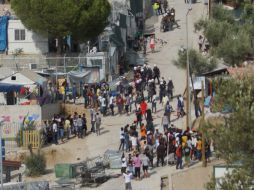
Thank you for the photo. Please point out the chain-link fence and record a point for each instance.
(59, 64)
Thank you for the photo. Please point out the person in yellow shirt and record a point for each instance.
(199, 149)
(184, 139)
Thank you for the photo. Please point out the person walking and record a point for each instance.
(152, 44)
(145, 164)
(127, 177)
(170, 87)
(137, 164)
(154, 102)
(122, 137)
(98, 124)
(165, 122)
(156, 73)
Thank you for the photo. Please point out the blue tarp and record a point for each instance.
(4, 87)
(3, 32)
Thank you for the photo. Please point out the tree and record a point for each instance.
(82, 19)
(237, 180)
(198, 63)
(230, 38)
(234, 139)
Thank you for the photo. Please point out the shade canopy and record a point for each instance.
(5, 87)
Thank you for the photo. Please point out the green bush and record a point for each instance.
(198, 63)
(36, 164)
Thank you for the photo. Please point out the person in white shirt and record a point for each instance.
(134, 143)
(121, 139)
(154, 101)
(55, 130)
(93, 119)
(164, 101)
(103, 106)
(127, 178)
(124, 164)
(111, 104)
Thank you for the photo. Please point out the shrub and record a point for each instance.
(35, 163)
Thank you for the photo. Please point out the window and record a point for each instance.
(20, 34)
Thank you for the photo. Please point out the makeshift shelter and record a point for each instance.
(20, 86)
(27, 78)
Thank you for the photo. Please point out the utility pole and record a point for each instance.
(202, 126)
(188, 106)
(1, 156)
(209, 8)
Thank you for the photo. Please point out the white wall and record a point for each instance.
(16, 113)
(33, 43)
(99, 55)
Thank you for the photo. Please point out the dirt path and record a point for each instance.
(92, 145)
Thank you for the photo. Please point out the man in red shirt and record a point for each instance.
(179, 161)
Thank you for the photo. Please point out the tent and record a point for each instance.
(5, 87)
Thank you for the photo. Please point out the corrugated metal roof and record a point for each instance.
(33, 76)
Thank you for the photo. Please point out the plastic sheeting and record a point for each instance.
(4, 87)
(3, 32)
(78, 74)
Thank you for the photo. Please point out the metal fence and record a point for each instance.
(59, 64)
(9, 132)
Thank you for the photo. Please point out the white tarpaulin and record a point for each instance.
(197, 82)
(78, 74)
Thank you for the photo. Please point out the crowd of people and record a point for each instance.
(142, 143)
(62, 128)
